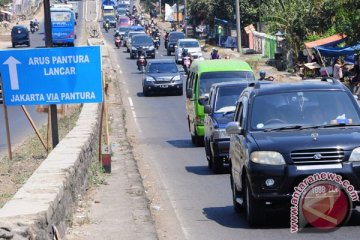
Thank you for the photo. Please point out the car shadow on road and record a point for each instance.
(199, 170)
(227, 217)
(158, 94)
(181, 143)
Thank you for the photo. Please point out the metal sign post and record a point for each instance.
(48, 44)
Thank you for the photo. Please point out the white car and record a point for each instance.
(193, 47)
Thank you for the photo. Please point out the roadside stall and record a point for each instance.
(322, 67)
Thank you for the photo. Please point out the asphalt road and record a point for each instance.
(201, 200)
(20, 127)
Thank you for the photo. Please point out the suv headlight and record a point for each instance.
(134, 48)
(149, 79)
(355, 155)
(176, 78)
(151, 48)
(220, 133)
(267, 157)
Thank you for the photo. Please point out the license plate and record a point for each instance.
(164, 86)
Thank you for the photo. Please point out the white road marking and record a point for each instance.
(131, 102)
(136, 122)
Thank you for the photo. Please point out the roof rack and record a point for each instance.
(324, 79)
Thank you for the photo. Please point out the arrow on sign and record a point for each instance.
(14, 81)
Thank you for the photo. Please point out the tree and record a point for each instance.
(298, 19)
(347, 18)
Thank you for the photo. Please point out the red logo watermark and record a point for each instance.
(323, 201)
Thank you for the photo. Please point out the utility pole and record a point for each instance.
(177, 12)
(48, 44)
(238, 28)
(185, 17)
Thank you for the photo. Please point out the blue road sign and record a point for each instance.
(51, 75)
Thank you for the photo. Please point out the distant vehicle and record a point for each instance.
(123, 5)
(123, 21)
(108, 10)
(202, 75)
(112, 21)
(122, 30)
(68, 5)
(63, 26)
(20, 36)
(121, 11)
(162, 76)
(128, 37)
(75, 7)
(144, 42)
(172, 41)
(193, 47)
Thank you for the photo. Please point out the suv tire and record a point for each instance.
(198, 141)
(217, 165)
(238, 208)
(168, 52)
(255, 209)
(145, 92)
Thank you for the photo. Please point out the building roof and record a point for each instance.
(332, 40)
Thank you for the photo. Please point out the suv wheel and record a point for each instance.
(236, 194)
(13, 45)
(217, 165)
(168, 52)
(198, 141)
(145, 92)
(207, 154)
(255, 209)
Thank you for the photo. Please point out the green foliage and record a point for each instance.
(316, 36)
(298, 19)
(347, 18)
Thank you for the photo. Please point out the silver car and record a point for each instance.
(162, 75)
(193, 47)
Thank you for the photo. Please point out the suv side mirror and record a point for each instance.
(207, 109)
(233, 128)
(189, 93)
(203, 99)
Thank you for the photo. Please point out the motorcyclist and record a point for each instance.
(262, 74)
(185, 53)
(215, 54)
(117, 33)
(32, 24)
(107, 24)
(141, 55)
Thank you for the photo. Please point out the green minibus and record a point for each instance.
(202, 74)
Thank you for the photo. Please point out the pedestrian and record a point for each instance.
(337, 70)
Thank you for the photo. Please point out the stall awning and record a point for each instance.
(328, 41)
(338, 51)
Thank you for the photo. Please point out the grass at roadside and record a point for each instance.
(28, 156)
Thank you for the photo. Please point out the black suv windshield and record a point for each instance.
(142, 40)
(176, 36)
(209, 78)
(162, 68)
(301, 109)
(227, 97)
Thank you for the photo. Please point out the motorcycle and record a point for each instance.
(106, 27)
(32, 29)
(117, 41)
(156, 42)
(186, 63)
(141, 63)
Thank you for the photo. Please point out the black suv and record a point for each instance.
(20, 36)
(172, 41)
(144, 43)
(219, 111)
(283, 133)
